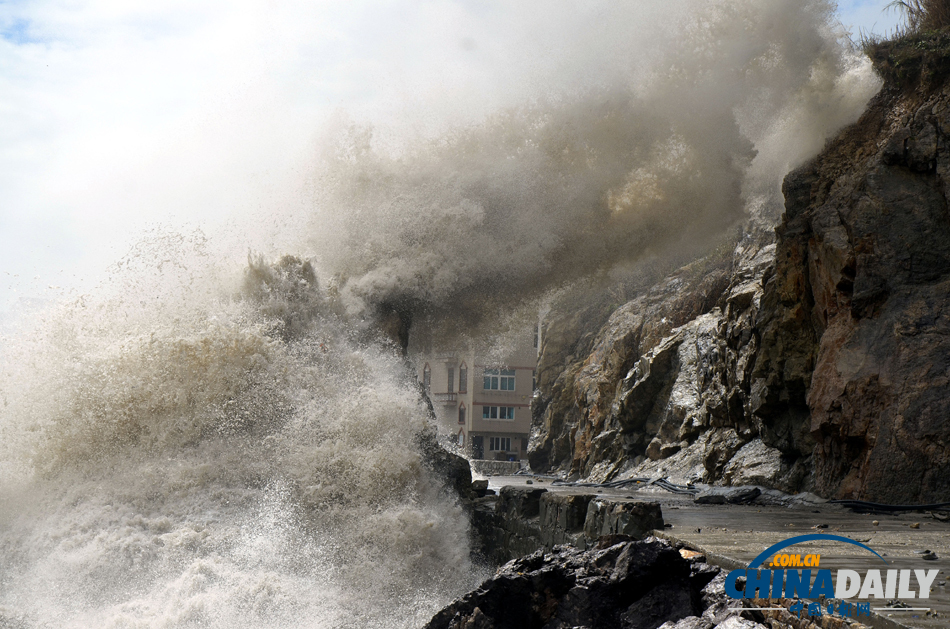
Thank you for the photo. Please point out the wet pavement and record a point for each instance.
(733, 535)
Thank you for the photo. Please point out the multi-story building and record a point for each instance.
(485, 402)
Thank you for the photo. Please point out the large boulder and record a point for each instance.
(626, 585)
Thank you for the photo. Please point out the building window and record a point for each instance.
(463, 378)
(426, 377)
(499, 444)
(462, 413)
(461, 438)
(534, 379)
(536, 335)
(498, 412)
(499, 380)
(451, 385)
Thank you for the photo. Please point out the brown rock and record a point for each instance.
(861, 291)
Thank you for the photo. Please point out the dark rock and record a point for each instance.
(450, 469)
(606, 541)
(690, 622)
(619, 583)
(488, 532)
(521, 503)
(728, 495)
(630, 584)
(711, 498)
(774, 498)
(855, 316)
(522, 520)
(519, 527)
(673, 600)
(635, 519)
(713, 594)
(562, 518)
(702, 573)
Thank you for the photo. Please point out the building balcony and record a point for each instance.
(505, 394)
(448, 399)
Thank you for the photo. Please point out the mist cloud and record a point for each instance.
(666, 143)
(120, 116)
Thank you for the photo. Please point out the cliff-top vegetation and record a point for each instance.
(919, 51)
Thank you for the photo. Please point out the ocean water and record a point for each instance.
(208, 440)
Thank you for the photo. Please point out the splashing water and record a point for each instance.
(663, 150)
(183, 466)
(198, 446)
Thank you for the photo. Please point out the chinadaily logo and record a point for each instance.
(781, 573)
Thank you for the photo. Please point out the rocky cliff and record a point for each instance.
(814, 358)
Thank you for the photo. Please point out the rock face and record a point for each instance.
(858, 311)
(819, 361)
(626, 585)
(665, 386)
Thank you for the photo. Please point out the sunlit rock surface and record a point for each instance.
(665, 387)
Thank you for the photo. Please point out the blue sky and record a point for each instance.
(118, 115)
(870, 15)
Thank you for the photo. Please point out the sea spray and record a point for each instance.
(192, 468)
(657, 150)
(205, 442)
